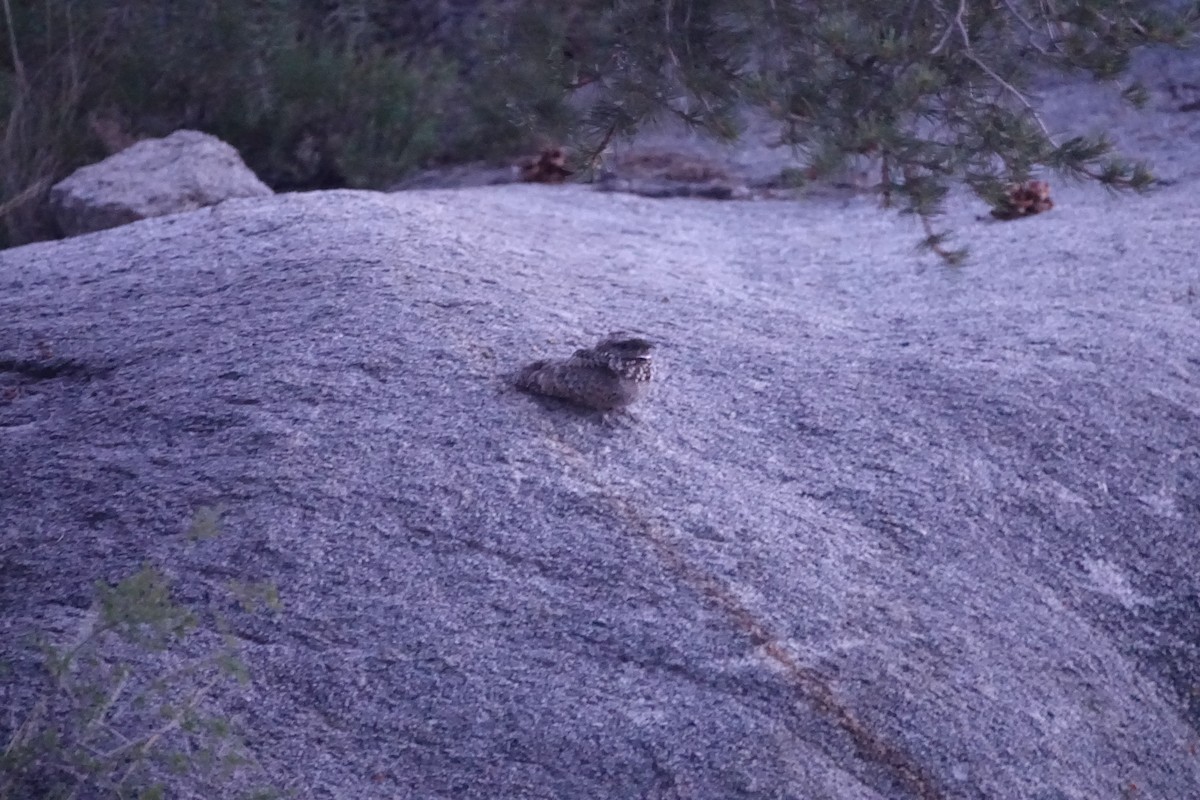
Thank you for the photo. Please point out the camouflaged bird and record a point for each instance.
(607, 377)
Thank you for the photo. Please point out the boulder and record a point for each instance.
(883, 529)
(182, 172)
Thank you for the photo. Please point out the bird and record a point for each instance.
(607, 377)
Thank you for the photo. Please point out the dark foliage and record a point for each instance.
(324, 93)
(935, 90)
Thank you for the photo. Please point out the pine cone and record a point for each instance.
(1024, 200)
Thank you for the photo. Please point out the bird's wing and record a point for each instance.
(577, 381)
(545, 377)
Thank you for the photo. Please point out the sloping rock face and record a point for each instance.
(181, 172)
(883, 529)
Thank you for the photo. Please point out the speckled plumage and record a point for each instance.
(611, 375)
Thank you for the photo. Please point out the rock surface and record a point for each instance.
(883, 529)
(181, 172)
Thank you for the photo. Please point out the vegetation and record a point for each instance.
(313, 94)
(124, 707)
(935, 90)
(321, 93)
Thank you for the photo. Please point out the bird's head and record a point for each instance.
(628, 356)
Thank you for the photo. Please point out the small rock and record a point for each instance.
(182, 172)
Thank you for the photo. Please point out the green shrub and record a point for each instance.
(306, 108)
(126, 706)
